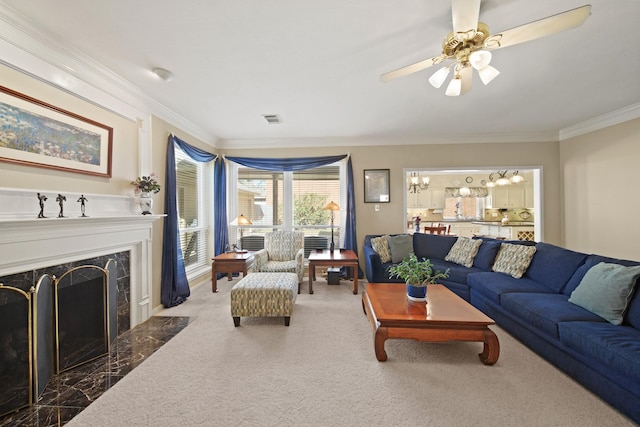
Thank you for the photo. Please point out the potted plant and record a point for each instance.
(417, 274)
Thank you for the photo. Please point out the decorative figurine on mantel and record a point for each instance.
(61, 199)
(82, 201)
(41, 199)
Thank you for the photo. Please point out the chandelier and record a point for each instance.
(417, 182)
(499, 178)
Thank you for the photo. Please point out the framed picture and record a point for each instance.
(376, 186)
(35, 133)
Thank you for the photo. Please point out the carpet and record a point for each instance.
(322, 371)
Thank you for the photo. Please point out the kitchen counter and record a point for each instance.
(510, 224)
(515, 230)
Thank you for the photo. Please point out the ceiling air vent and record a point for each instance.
(272, 119)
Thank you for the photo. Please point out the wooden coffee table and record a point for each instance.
(230, 262)
(445, 317)
(337, 258)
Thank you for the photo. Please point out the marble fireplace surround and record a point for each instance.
(112, 226)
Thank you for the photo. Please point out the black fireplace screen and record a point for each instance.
(15, 349)
(81, 313)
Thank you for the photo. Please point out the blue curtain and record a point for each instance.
(174, 284)
(220, 213)
(286, 165)
(302, 163)
(350, 238)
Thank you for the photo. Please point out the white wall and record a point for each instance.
(601, 197)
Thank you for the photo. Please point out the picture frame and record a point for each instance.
(376, 186)
(35, 133)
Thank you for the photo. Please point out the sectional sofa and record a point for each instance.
(579, 311)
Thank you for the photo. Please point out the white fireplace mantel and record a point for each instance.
(28, 243)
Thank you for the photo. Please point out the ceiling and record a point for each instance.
(317, 64)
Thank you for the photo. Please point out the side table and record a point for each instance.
(230, 262)
(337, 258)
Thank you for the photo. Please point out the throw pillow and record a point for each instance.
(400, 246)
(513, 259)
(463, 251)
(381, 246)
(606, 290)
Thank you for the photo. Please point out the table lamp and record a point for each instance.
(241, 221)
(331, 207)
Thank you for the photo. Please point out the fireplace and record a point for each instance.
(34, 250)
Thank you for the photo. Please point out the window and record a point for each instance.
(286, 200)
(192, 213)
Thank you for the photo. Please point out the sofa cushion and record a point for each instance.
(553, 265)
(544, 311)
(457, 273)
(463, 251)
(606, 290)
(400, 246)
(487, 254)
(432, 246)
(492, 285)
(617, 347)
(589, 262)
(513, 259)
(381, 246)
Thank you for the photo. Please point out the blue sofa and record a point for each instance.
(535, 309)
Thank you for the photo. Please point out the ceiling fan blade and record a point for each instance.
(413, 68)
(538, 29)
(466, 73)
(465, 18)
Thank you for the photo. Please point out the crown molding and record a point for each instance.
(600, 122)
(358, 141)
(27, 49)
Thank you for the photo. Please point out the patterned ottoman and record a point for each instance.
(264, 294)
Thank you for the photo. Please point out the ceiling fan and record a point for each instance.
(469, 45)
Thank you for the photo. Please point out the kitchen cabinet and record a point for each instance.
(508, 197)
(426, 199)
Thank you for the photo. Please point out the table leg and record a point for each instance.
(214, 278)
(354, 271)
(312, 276)
(491, 350)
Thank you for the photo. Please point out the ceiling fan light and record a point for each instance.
(480, 59)
(438, 78)
(455, 87)
(487, 74)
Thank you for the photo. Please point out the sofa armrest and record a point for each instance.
(372, 265)
(300, 264)
(260, 258)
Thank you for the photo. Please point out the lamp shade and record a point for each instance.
(241, 220)
(487, 74)
(438, 78)
(455, 87)
(331, 206)
(480, 59)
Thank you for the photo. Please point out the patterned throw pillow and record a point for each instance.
(513, 259)
(463, 251)
(381, 246)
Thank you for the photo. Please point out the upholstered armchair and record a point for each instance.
(283, 252)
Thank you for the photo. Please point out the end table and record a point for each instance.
(230, 262)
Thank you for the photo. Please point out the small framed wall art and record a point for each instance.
(376, 186)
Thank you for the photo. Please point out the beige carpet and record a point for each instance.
(322, 371)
